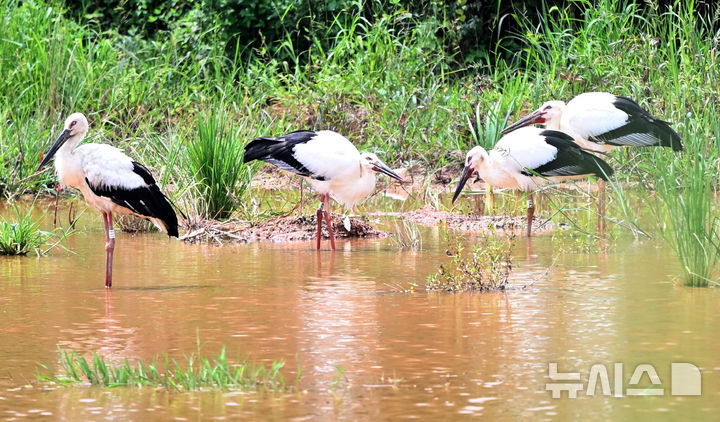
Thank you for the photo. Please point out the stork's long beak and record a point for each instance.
(379, 166)
(534, 117)
(56, 146)
(467, 172)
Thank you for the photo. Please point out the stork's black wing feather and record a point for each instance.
(641, 129)
(147, 200)
(571, 160)
(280, 152)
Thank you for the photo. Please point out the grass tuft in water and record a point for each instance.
(685, 188)
(407, 235)
(486, 267)
(24, 235)
(196, 373)
(215, 158)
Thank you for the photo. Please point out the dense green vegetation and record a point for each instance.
(395, 77)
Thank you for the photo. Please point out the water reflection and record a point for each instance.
(403, 355)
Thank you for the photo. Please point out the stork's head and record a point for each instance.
(547, 114)
(475, 160)
(76, 126)
(371, 162)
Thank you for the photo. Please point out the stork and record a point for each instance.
(600, 121)
(329, 161)
(110, 182)
(529, 158)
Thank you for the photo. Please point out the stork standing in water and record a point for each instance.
(330, 162)
(110, 181)
(529, 158)
(600, 121)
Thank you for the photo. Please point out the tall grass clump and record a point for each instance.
(215, 160)
(24, 235)
(486, 267)
(196, 373)
(685, 189)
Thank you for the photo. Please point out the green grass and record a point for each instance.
(691, 229)
(215, 159)
(194, 373)
(485, 267)
(23, 235)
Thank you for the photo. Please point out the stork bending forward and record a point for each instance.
(529, 158)
(601, 121)
(329, 161)
(110, 182)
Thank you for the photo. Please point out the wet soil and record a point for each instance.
(275, 229)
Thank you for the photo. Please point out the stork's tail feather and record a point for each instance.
(159, 208)
(667, 136)
(260, 148)
(598, 166)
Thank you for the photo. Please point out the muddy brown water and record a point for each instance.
(425, 356)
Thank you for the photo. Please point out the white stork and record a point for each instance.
(600, 121)
(329, 161)
(529, 158)
(110, 181)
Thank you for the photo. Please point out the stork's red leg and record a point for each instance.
(109, 248)
(328, 221)
(530, 214)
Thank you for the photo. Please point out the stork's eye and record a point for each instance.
(73, 123)
(547, 108)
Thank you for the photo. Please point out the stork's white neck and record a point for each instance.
(72, 143)
(69, 166)
(554, 122)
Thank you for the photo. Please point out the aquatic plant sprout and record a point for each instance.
(486, 267)
(195, 373)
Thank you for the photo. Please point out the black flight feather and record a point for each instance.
(147, 201)
(571, 159)
(641, 129)
(280, 152)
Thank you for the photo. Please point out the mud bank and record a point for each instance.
(275, 229)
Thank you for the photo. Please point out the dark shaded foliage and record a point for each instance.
(473, 29)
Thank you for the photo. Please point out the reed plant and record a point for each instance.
(215, 159)
(691, 223)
